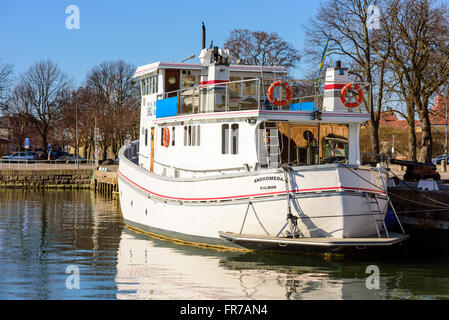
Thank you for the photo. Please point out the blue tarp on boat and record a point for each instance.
(167, 107)
(303, 106)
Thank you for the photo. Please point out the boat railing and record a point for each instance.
(197, 172)
(131, 152)
(251, 94)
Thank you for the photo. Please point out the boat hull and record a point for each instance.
(329, 201)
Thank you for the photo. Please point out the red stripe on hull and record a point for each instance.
(248, 195)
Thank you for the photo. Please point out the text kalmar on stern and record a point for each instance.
(228, 309)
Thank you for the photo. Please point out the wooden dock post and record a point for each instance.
(106, 182)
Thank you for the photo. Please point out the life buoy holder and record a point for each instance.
(166, 137)
(288, 96)
(352, 87)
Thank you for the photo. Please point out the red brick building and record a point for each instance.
(439, 114)
(437, 117)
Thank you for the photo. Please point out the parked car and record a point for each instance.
(57, 154)
(22, 156)
(72, 158)
(438, 159)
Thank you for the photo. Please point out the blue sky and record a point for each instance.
(139, 32)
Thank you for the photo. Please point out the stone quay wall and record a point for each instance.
(46, 179)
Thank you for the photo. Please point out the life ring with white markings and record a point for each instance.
(351, 87)
(288, 90)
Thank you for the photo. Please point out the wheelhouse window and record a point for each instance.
(302, 144)
(187, 79)
(249, 88)
(236, 87)
(334, 143)
(149, 85)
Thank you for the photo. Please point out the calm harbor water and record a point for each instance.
(44, 236)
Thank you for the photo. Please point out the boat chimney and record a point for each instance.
(336, 79)
(204, 36)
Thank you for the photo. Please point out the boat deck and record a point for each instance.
(265, 242)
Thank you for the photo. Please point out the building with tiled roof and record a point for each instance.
(439, 113)
(389, 118)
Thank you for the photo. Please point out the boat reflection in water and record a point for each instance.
(155, 269)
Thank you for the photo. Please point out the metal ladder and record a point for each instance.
(274, 151)
(389, 201)
(376, 213)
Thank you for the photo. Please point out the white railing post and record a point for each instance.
(227, 98)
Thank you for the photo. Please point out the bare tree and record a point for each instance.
(18, 112)
(346, 23)
(419, 33)
(6, 71)
(261, 48)
(46, 89)
(117, 100)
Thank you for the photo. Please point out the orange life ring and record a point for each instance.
(352, 87)
(288, 97)
(166, 137)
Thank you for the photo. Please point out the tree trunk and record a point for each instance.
(411, 140)
(105, 152)
(426, 138)
(374, 136)
(44, 135)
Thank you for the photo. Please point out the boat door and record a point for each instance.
(172, 81)
(152, 151)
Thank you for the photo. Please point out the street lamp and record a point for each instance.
(191, 57)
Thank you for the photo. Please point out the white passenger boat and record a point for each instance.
(240, 157)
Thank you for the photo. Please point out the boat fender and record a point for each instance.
(287, 88)
(351, 87)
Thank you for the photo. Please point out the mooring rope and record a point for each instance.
(423, 195)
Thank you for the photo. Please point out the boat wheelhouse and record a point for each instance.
(237, 156)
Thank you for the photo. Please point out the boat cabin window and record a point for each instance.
(162, 136)
(192, 135)
(146, 137)
(173, 136)
(301, 143)
(230, 139)
(224, 138)
(234, 138)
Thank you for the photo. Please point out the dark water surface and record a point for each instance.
(45, 236)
